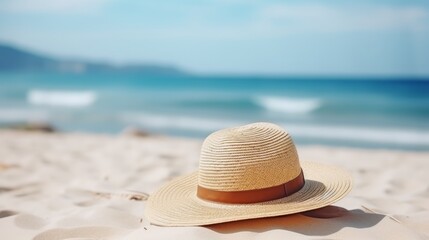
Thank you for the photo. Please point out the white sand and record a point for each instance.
(81, 186)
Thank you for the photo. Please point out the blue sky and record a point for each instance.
(230, 36)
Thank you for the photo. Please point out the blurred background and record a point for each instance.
(347, 73)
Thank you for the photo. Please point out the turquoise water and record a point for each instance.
(387, 113)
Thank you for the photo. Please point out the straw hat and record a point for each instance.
(252, 171)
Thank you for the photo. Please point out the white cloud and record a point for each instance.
(284, 19)
(325, 18)
(51, 6)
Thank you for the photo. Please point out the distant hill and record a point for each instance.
(15, 59)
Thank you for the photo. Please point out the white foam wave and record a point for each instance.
(178, 122)
(61, 98)
(20, 115)
(289, 105)
(406, 137)
(368, 135)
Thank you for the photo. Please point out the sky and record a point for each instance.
(332, 37)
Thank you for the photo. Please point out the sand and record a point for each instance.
(83, 186)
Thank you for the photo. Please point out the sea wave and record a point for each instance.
(61, 98)
(288, 105)
(368, 135)
(23, 115)
(178, 122)
(396, 136)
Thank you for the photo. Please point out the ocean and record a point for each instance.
(353, 112)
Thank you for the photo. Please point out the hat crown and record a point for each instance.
(254, 156)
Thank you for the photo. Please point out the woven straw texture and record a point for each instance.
(253, 156)
(250, 157)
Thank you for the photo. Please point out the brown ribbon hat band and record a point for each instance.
(255, 195)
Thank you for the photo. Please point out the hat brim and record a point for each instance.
(176, 203)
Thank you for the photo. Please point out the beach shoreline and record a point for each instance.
(84, 185)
